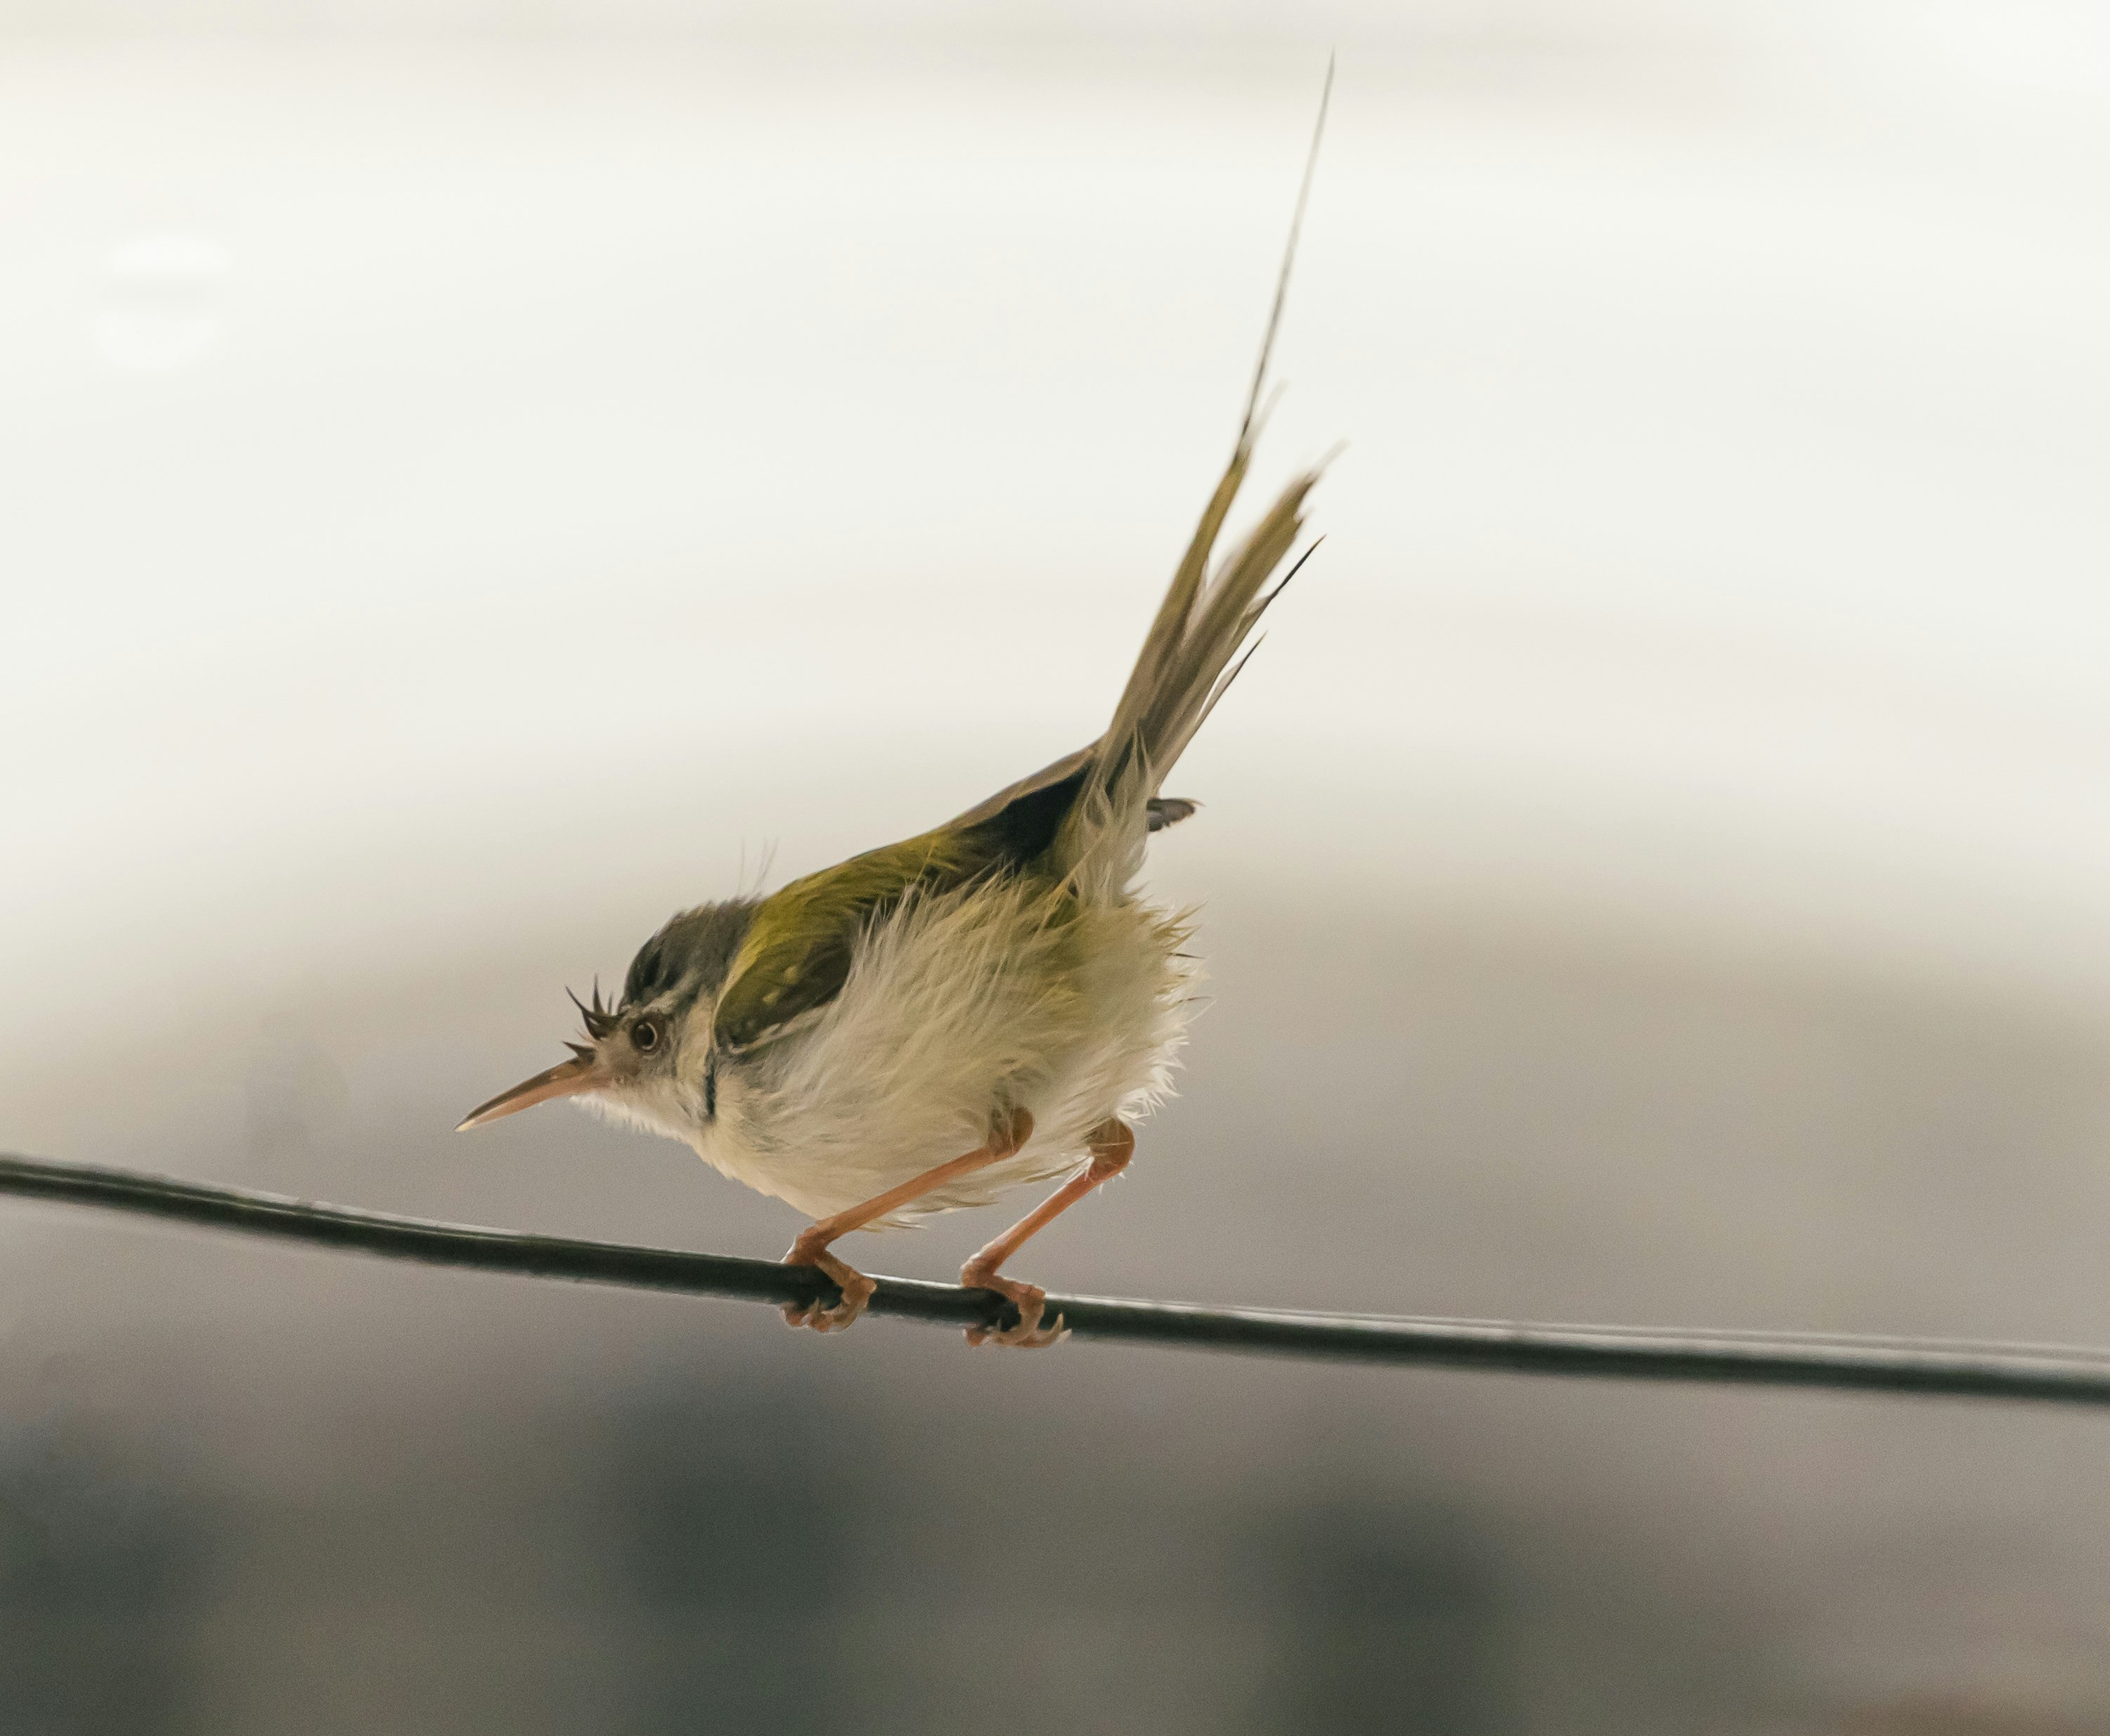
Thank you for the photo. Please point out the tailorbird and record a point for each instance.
(987, 1005)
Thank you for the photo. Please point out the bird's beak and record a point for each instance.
(568, 1079)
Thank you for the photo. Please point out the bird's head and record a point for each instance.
(646, 1057)
(629, 1052)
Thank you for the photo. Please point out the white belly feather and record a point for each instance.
(958, 1006)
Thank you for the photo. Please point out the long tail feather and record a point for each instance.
(1186, 661)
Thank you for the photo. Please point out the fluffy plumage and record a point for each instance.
(869, 1022)
(987, 1004)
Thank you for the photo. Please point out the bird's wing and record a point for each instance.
(1063, 777)
(1028, 813)
(796, 956)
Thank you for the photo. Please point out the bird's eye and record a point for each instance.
(644, 1036)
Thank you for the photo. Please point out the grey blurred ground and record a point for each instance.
(257, 1490)
(463, 492)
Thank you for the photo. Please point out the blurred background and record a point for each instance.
(478, 476)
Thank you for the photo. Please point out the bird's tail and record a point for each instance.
(1192, 654)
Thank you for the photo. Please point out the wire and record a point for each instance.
(2043, 1373)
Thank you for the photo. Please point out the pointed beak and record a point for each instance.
(568, 1079)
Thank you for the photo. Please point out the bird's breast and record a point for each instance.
(956, 1007)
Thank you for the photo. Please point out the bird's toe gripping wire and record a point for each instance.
(1111, 1145)
(1009, 1134)
(821, 1315)
(1029, 1333)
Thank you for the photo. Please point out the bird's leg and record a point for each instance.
(1008, 1134)
(1111, 1145)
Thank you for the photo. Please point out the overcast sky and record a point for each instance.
(452, 478)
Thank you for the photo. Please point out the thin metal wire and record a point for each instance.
(2051, 1374)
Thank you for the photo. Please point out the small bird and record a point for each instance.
(987, 1005)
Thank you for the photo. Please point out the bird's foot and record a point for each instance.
(857, 1290)
(1030, 1299)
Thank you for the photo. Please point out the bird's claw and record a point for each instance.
(1031, 1302)
(1021, 1336)
(823, 1319)
(831, 1316)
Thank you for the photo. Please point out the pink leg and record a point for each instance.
(811, 1247)
(1112, 1145)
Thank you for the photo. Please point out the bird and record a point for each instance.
(989, 1004)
